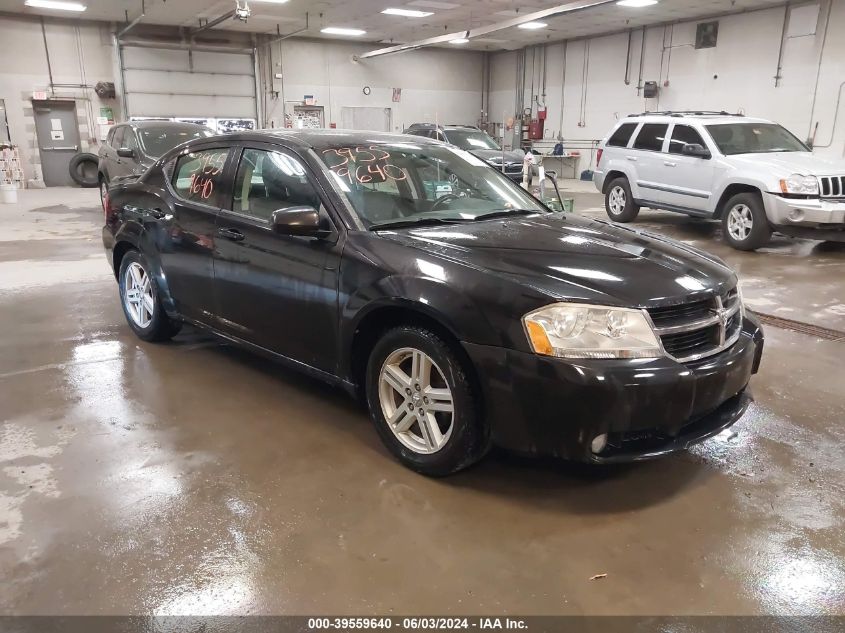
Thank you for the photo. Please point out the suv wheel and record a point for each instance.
(141, 304)
(618, 201)
(744, 222)
(422, 403)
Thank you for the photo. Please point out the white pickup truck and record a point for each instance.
(752, 174)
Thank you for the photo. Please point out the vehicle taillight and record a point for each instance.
(598, 156)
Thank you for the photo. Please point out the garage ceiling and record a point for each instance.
(449, 16)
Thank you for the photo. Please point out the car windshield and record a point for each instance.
(158, 140)
(471, 139)
(396, 184)
(754, 138)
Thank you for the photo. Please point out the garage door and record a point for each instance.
(176, 83)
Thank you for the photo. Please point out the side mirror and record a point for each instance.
(125, 152)
(695, 149)
(301, 221)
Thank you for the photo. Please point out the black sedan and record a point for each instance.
(412, 273)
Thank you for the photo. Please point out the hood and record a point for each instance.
(495, 155)
(788, 163)
(571, 258)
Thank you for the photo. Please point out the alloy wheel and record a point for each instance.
(138, 295)
(617, 200)
(740, 222)
(416, 400)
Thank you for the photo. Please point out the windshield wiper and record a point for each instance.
(399, 224)
(505, 213)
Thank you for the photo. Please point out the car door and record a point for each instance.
(648, 158)
(276, 291)
(688, 179)
(199, 184)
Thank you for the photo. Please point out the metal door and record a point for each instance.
(58, 139)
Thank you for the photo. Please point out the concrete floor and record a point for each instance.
(193, 478)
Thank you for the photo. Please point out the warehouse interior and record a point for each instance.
(193, 478)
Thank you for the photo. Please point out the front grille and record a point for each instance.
(832, 186)
(698, 329)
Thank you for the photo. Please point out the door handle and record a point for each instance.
(633, 159)
(670, 164)
(230, 234)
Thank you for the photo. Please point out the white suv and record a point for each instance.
(751, 174)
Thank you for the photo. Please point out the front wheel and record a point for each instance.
(140, 300)
(422, 403)
(619, 203)
(744, 222)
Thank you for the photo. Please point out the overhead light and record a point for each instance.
(55, 4)
(408, 13)
(636, 3)
(336, 30)
(532, 25)
(459, 40)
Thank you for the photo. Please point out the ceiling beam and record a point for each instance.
(132, 24)
(561, 9)
(212, 23)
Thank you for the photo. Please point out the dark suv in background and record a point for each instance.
(475, 141)
(132, 148)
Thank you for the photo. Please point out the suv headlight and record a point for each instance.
(573, 330)
(800, 184)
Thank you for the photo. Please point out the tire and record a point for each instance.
(618, 201)
(83, 169)
(739, 211)
(459, 438)
(153, 327)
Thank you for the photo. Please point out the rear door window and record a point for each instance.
(622, 135)
(198, 176)
(651, 137)
(684, 135)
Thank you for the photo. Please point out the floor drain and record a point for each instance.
(799, 326)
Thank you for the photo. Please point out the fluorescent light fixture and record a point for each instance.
(55, 4)
(636, 3)
(533, 25)
(337, 30)
(459, 40)
(408, 13)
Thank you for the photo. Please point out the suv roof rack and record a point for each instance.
(680, 113)
(441, 126)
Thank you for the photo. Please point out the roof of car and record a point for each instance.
(323, 138)
(704, 117)
(159, 124)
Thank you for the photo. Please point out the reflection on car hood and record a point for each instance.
(568, 257)
(788, 163)
(495, 155)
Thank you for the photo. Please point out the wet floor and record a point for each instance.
(193, 478)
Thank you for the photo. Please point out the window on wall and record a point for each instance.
(651, 137)
(198, 176)
(267, 181)
(684, 135)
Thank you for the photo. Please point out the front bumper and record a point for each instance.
(648, 407)
(812, 213)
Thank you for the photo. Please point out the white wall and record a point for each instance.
(23, 69)
(736, 75)
(436, 84)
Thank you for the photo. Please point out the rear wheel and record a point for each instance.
(422, 403)
(744, 222)
(140, 300)
(618, 201)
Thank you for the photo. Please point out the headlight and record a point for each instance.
(796, 183)
(573, 330)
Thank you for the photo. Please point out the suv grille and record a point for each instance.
(697, 329)
(832, 186)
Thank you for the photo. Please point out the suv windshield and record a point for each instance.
(754, 138)
(158, 140)
(471, 139)
(395, 184)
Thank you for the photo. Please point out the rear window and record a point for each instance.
(199, 175)
(622, 135)
(651, 137)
